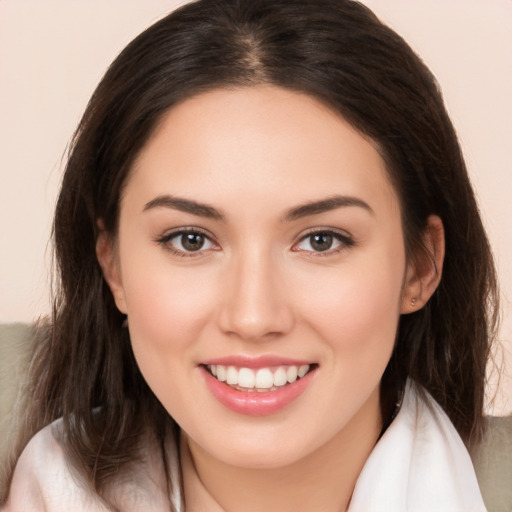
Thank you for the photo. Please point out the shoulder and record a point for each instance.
(439, 463)
(43, 481)
(420, 463)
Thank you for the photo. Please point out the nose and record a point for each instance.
(255, 303)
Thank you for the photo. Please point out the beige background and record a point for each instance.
(53, 53)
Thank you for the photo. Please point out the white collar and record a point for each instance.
(419, 465)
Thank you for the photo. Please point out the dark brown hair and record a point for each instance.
(338, 52)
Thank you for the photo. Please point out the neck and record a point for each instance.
(320, 481)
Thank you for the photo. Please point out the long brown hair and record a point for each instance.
(337, 51)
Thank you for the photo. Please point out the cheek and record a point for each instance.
(167, 306)
(167, 310)
(170, 309)
(358, 306)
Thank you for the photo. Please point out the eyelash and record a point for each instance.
(166, 239)
(345, 242)
(344, 239)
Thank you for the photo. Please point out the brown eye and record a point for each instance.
(187, 242)
(328, 242)
(192, 241)
(321, 241)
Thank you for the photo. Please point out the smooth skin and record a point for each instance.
(258, 274)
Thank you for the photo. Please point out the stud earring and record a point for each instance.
(413, 302)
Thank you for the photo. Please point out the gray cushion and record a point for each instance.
(16, 341)
(493, 464)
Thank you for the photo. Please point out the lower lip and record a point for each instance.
(256, 403)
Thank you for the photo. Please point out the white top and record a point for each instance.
(419, 465)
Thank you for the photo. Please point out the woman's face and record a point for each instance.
(259, 239)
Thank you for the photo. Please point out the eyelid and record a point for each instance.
(344, 237)
(173, 233)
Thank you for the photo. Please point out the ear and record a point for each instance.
(107, 254)
(423, 273)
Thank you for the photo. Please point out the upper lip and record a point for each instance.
(246, 361)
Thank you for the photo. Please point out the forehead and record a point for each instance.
(258, 144)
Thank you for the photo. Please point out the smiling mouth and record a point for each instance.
(259, 380)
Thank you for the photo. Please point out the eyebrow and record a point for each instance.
(298, 212)
(185, 205)
(325, 205)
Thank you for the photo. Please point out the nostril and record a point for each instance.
(258, 324)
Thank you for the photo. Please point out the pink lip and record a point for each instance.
(255, 403)
(244, 361)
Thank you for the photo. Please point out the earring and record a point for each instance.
(125, 322)
(413, 302)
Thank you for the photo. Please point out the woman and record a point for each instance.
(276, 291)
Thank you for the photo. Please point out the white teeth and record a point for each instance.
(221, 373)
(246, 378)
(263, 379)
(303, 370)
(280, 377)
(232, 375)
(291, 374)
